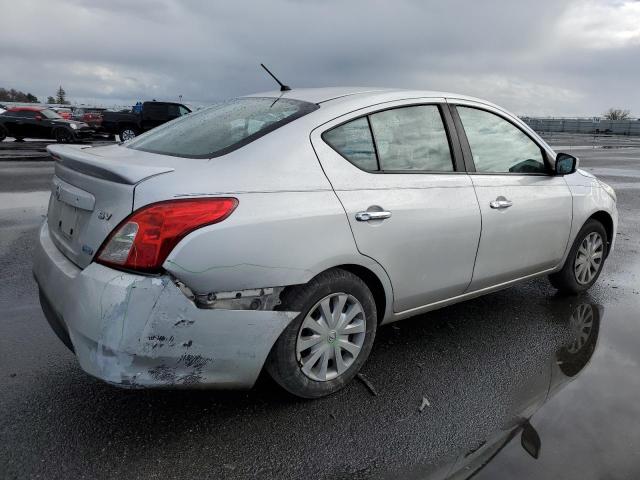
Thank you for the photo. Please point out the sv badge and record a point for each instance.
(102, 215)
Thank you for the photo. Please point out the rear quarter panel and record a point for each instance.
(288, 226)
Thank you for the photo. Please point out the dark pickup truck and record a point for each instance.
(129, 124)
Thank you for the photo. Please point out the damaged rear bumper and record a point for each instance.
(140, 331)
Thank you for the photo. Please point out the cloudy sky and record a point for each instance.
(544, 57)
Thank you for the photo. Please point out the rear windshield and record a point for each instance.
(222, 128)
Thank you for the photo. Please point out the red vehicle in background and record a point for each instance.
(89, 115)
(65, 113)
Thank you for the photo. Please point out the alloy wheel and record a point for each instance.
(127, 134)
(589, 258)
(331, 337)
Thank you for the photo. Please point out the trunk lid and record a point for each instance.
(92, 192)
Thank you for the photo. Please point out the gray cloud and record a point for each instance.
(546, 57)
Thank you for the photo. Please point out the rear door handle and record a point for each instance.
(367, 216)
(500, 203)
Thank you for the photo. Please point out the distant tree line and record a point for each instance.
(13, 95)
(617, 114)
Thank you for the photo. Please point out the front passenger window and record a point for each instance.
(498, 146)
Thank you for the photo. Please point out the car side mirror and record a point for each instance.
(38, 117)
(530, 440)
(566, 164)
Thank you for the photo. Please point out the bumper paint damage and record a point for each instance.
(140, 331)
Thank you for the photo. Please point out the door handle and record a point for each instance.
(367, 216)
(500, 203)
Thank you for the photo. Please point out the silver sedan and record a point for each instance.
(280, 230)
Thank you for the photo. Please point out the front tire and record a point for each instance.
(3, 133)
(63, 136)
(325, 346)
(585, 260)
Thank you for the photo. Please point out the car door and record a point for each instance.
(34, 125)
(10, 121)
(411, 207)
(40, 126)
(526, 209)
(25, 124)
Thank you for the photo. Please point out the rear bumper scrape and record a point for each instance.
(138, 331)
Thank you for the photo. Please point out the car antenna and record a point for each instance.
(283, 87)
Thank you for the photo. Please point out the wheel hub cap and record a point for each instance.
(331, 337)
(589, 258)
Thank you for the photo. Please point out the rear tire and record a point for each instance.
(338, 348)
(585, 260)
(3, 133)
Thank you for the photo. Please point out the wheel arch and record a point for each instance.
(376, 281)
(375, 285)
(607, 222)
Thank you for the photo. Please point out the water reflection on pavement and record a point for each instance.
(530, 392)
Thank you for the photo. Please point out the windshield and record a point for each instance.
(222, 128)
(49, 114)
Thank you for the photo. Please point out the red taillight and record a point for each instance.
(143, 240)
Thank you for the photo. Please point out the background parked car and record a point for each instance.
(65, 113)
(92, 116)
(130, 124)
(41, 122)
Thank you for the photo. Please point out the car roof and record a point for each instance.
(332, 94)
(319, 95)
(28, 109)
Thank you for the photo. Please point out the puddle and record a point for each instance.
(575, 418)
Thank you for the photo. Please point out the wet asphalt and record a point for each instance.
(449, 392)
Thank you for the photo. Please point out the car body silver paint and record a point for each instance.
(289, 226)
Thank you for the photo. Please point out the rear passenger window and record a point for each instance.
(412, 138)
(396, 140)
(353, 141)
